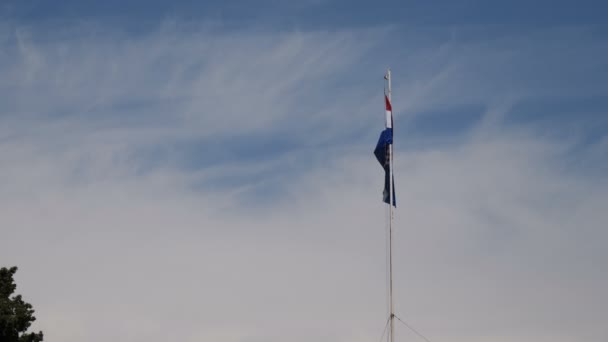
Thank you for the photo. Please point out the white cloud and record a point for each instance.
(496, 239)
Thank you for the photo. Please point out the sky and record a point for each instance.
(203, 171)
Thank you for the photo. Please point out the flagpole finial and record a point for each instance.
(387, 77)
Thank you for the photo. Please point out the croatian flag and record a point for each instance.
(383, 155)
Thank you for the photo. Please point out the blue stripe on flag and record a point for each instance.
(381, 152)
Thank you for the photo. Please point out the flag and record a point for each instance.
(382, 152)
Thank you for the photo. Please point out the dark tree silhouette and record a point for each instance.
(16, 316)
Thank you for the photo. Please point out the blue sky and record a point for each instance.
(221, 153)
(326, 14)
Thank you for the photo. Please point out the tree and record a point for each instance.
(16, 316)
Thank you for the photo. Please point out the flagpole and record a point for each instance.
(390, 223)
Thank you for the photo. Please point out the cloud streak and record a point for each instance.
(144, 197)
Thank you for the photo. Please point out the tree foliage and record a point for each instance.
(16, 315)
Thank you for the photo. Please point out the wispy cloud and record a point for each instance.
(145, 198)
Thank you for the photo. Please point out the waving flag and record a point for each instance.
(382, 152)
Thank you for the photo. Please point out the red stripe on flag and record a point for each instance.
(388, 104)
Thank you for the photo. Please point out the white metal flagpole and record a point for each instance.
(390, 221)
